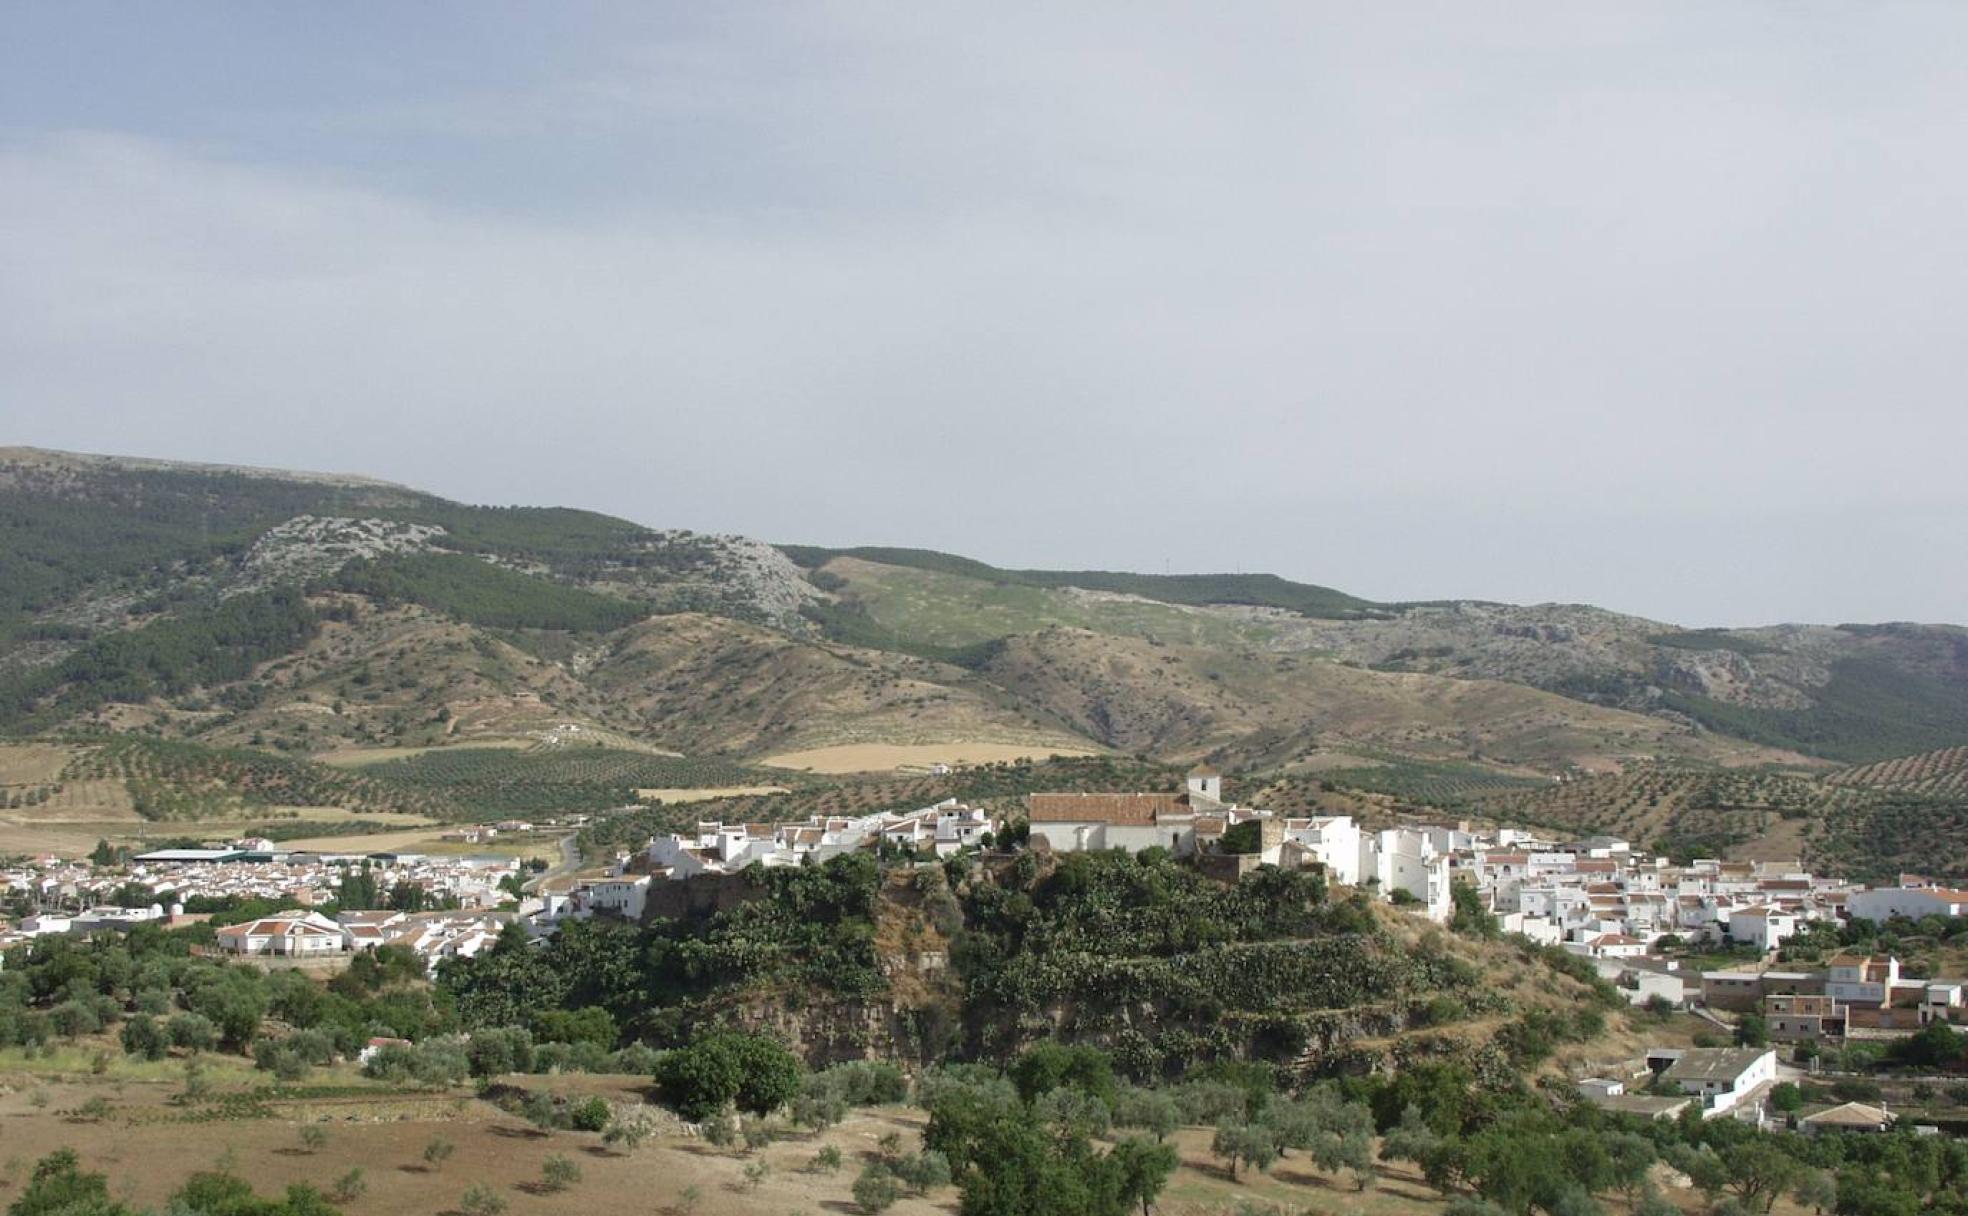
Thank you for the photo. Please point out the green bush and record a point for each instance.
(729, 1068)
(590, 1116)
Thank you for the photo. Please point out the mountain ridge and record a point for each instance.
(731, 645)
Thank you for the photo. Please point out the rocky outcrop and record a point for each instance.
(310, 547)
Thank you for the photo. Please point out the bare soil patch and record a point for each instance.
(674, 796)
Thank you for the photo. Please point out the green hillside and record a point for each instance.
(1256, 590)
(1871, 709)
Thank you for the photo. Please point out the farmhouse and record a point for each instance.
(1722, 1077)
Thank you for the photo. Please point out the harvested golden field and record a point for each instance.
(32, 763)
(885, 757)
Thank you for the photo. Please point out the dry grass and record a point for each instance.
(147, 1152)
(886, 757)
(31, 763)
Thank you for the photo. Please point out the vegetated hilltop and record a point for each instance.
(312, 614)
(978, 958)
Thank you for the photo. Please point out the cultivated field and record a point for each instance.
(884, 757)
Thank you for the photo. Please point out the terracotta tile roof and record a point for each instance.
(1101, 808)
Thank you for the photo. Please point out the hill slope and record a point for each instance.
(309, 613)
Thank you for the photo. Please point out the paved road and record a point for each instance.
(570, 861)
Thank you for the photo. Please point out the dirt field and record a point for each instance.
(26, 763)
(147, 1144)
(883, 757)
(674, 796)
(48, 829)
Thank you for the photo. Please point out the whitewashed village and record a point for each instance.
(1627, 912)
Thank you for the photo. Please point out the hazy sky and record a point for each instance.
(1656, 306)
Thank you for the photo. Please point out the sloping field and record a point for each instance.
(946, 609)
(1693, 808)
(1943, 772)
(1252, 709)
(704, 684)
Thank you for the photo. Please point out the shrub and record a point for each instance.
(755, 1173)
(349, 1187)
(542, 1110)
(924, 1171)
(559, 1172)
(876, 1189)
(438, 1151)
(73, 1019)
(826, 1161)
(496, 1051)
(192, 1031)
(482, 1200)
(629, 1129)
(314, 1137)
(143, 1037)
(279, 1059)
(590, 1116)
(1246, 1144)
(1152, 1110)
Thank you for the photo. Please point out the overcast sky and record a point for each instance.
(1659, 307)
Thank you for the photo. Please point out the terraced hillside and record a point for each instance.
(1942, 773)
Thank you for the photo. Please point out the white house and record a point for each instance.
(1764, 927)
(1884, 903)
(284, 933)
(1722, 1077)
(1334, 840)
(1858, 979)
(623, 897)
(1399, 859)
(1073, 823)
(44, 923)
